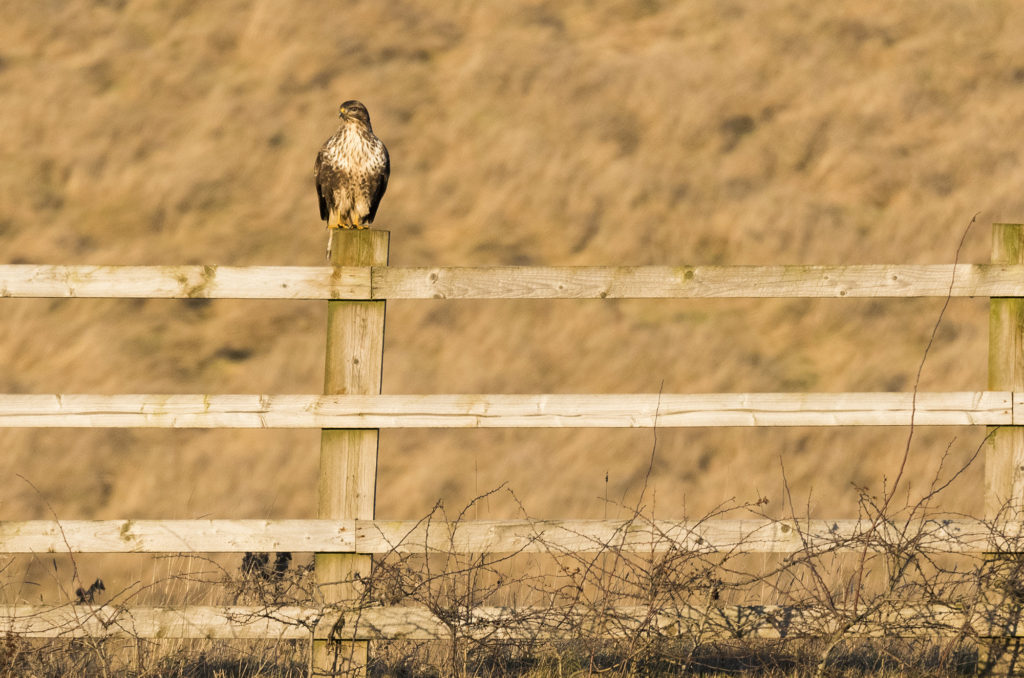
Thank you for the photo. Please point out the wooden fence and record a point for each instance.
(351, 410)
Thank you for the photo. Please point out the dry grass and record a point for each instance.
(613, 611)
(628, 133)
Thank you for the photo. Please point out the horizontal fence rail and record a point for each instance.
(497, 536)
(185, 282)
(508, 282)
(175, 536)
(991, 408)
(602, 282)
(726, 621)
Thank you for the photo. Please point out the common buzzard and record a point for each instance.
(351, 172)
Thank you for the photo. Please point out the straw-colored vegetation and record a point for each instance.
(568, 133)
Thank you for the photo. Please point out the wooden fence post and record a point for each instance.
(1004, 454)
(1004, 457)
(348, 457)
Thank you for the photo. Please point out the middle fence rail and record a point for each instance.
(633, 410)
(992, 408)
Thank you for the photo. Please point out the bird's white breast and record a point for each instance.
(352, 151)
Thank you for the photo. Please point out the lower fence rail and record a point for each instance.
(503, 536)
(497, 623)
(708, 619)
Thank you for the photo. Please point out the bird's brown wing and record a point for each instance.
(377, 191)
(318, 178)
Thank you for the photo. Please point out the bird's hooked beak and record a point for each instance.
(342, 112)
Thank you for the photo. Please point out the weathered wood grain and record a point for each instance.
(992, 408)
(494, 536)
(175, 536)
(1004, 453)
(1004, 446)
(512, 282)
(198, 621)
(348, 458)
(186, 282)
(643, 536)
(601, 282)
(729, 621)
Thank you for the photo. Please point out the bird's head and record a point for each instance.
(354, 111)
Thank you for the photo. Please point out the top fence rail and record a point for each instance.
(511, 282)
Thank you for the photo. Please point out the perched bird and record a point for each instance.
(351, 172)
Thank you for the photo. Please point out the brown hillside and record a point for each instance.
(520, 133)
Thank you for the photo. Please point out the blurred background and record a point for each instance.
(571, 133)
